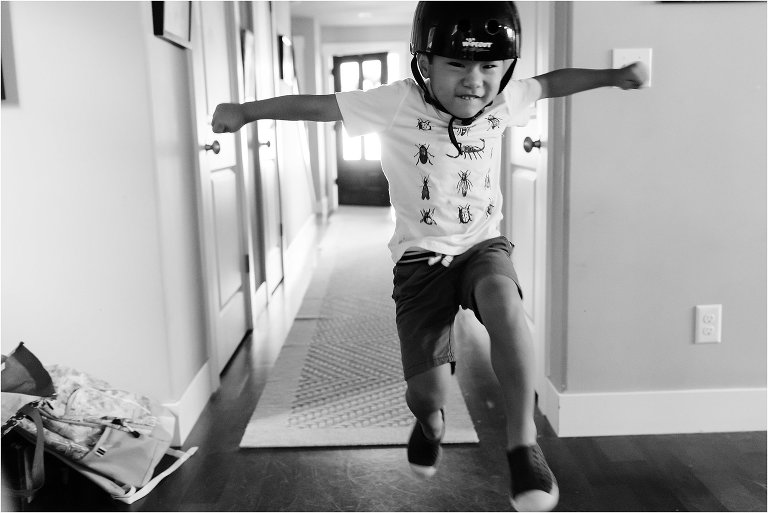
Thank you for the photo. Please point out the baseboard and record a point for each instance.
(192, 403)
(657, 412)
(299, 260)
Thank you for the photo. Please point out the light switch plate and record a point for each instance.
(624, 56)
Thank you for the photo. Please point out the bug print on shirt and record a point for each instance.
(464, 184)
(489, 208)
(424, 124)
(465, 216)
(461, 131)
(423, 155)
(425, 187)
(488, 179)
(426, 216)
(494, 121)
(469, 151)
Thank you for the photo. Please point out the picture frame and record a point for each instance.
(285, 59)
(172, 21)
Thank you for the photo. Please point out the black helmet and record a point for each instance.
(477, 31)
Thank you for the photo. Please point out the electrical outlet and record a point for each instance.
(709, 324)
(625, 56)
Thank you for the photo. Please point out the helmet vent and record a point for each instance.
(492, 27)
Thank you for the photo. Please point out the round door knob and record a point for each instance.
(529, 144)
(215, 146)
(267, 144)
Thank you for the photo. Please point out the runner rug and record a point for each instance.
(338, 379)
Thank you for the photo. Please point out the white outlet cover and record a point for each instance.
(625, 56)
(709, 324)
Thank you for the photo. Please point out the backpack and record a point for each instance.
(113, 437)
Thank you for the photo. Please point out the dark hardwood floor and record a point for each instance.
(695, 472)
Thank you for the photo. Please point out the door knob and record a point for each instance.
(529, 144)
(215, 146)
(267, 144)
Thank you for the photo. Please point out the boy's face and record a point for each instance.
(463, 87)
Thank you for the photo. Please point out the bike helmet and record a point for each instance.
(476, 31)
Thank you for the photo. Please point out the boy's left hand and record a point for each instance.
(632, 76)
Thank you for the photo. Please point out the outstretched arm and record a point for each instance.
(230, 117)
(564, 82)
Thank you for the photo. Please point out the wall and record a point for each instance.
(667, 200)
(100, 266)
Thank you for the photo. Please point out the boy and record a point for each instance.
(441, 137)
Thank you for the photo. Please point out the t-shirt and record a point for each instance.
(444, 201)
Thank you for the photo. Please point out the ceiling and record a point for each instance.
(355, 13)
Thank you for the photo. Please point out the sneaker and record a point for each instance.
(534, 487)
(423, 453)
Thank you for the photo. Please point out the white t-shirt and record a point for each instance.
(444, 202)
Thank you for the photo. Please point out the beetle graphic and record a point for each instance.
(464, 184)
(488, 179)
(494, 121)
(426, 216)
(465, 216)
(425, 187)
(424, 124)
(423, 155)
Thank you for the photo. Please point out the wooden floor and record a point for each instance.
(699, 472)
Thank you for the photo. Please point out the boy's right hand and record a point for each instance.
(228, 117)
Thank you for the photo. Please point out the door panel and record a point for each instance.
(220, 182)
(267, 147)
(526, 210)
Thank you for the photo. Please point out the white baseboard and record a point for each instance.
(657, 412)
(188, 409)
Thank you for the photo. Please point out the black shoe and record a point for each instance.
(534, 487)
(423, 453)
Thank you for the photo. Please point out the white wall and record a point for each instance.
(667, 192)
(100, 265)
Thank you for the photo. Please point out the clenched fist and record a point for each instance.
(228, 117)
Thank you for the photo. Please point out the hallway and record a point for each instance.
(699, 472)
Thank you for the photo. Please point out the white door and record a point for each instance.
(220, 183)
(270, 179)
(525, 193)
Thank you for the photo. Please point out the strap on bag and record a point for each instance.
(135, 494)
(38, 470)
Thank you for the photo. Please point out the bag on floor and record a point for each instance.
(113, 437)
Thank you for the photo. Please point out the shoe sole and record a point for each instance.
(536, 500)
(421, 471)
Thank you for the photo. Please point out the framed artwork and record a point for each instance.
(285, 58)
(172, 21)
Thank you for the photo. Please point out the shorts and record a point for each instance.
(427, 299)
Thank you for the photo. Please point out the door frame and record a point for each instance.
(550, 222)
(207, 243)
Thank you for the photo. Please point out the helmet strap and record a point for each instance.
(436, 103)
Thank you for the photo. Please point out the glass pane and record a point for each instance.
(351, 146)
(350, 76)
(393, 67)
(372, 146)
(371, 74)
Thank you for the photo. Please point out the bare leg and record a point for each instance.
(426, 395)
(512, 356)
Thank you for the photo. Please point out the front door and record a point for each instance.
(525, 194)
(360, 178)
(220, 184)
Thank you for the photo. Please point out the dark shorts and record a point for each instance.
(427, 299)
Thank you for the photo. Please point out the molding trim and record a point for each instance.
(192, 403)
(655, 412)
